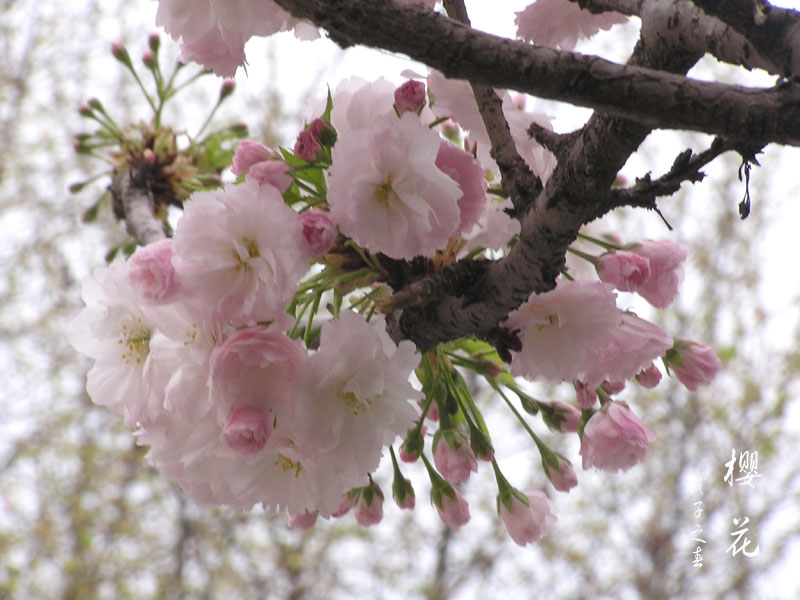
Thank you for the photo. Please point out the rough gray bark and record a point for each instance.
(133, 201)
(773, 32)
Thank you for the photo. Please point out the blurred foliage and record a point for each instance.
(83, 516)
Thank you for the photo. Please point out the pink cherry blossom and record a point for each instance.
(561, 23)
(626, 271)
(453, 456)
(271, 172)
(454, 99)
(241, 251)
(452, 508)
(152, 274)
(693, 363)
(214, 32)
(666, 271)
(629, 348)
(409, 97)
(247, 429)
(318, 230)
(614, 439)
(386, 192)
(302, 521)
(196, 456)
(248, 153)
(494, 229)
(527, 523)
(467, 172)
(353, 397)
(562, 330)
(120, 335)
(358, 104)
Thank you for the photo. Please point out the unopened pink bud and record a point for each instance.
(154, 42)
(613, 387)
(626, 271)
(614, 439)
(368, 510)
(693, 363)
(323, 131)
(247, 430)
(650, 377)
(318, 230)
(563, 478)
(227, 88)
(307, 147)
(529, 522)
(567, 415)
(120, 53)
(248, 153)
(152, 273)
(344, 506)
(453, 456)
(149, 59)
(586, 395)
(271, 172)
(454, 511)
(410, 97)
(303, 521)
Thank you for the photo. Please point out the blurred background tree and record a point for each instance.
(83, 516)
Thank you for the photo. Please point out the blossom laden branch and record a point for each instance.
(646, 95)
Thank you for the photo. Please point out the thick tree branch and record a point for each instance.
(697, 30)
(774, 32)
(133, 201)
(651, 97)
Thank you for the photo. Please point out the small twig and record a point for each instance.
(557, 143)
(686, 167)
(521, 185)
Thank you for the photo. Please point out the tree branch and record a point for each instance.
(521, 185)
(133, 202)
(651, 97)
(698, 30)
(774, 32)
(686, 167)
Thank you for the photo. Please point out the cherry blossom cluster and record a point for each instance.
(249, 351)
